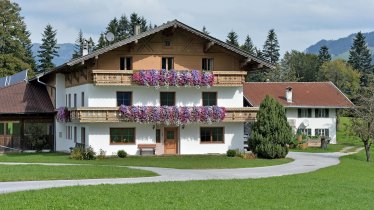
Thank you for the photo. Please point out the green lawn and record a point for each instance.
(182, 162)
(41, 172)
(330, 148)
(349, 185)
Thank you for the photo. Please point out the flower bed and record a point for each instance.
(63, 114)
(174, 115)
(157, 78)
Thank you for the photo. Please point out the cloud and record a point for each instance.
(298, 23)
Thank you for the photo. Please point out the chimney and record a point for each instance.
(289, 94)
(85, 48)
(136, 30)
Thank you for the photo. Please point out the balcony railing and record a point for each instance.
(124, 78)
(112, 114)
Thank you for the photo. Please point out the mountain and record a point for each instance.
(340, 48)
(65, 52)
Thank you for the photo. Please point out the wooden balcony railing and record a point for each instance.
(99, 115)
(124, 78)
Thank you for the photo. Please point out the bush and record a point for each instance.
(231, 153)
(271, 132)
(121, 154)
(79, 153)
(102, 154)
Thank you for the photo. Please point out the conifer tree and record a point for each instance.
(324, 55)
(205, 31)
(113, 28)
(248, 46)
(48, 49)
(135, 19)
(271, 132)
(91, 45)
(15, 43)
(78, 48)
(271, 47)
(101, 42)
(232, 38)
(123, 27)
(360, 58)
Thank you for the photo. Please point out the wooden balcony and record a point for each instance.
(105, 114)
(123, 78)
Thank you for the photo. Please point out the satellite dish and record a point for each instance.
(109, 36)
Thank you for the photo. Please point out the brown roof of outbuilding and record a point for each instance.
(304, 94)
(25, 98)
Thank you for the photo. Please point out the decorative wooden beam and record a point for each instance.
(245, 62)
(208, 46)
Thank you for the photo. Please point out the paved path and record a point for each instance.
(303, 163)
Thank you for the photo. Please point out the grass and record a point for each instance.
(349, 185)
(181, 162)
(42, 172)
(330, 148)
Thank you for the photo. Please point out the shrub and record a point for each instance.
(89, 154)
(76, 153)
(121, 154)
(102, 154)
(231, 153)
(79, 153)
(271, 132)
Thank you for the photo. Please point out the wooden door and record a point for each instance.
(170, 141)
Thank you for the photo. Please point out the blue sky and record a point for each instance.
(298, 23)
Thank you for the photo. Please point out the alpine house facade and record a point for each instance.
(172, 89)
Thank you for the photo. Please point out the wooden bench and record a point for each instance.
(142, 147)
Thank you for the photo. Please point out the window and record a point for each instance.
(75, 134)
(211, 135)
(82, 99)
(66, 100)
(304, 113)
(83, 135)
(13, 128)
(2, 128)
(322, 132)
(207, 64)
(306, 131)
(124, 98)
(321, 113)
(158, 136)
(75, 100)
(209, 98)
(167, 63)
(125, 63)
(69, 100)
(167, 98)
(68, 132)
(122, 135)
(167, 43)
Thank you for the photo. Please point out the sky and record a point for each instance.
(297, 23)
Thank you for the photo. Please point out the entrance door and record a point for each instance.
(170, 140)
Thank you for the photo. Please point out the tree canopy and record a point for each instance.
(232, 38)
(48, 49)
(248, 46)
(271, 47)
(324, 55)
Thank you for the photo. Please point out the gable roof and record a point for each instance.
(304, 94)
(25, 98)
(174, 23)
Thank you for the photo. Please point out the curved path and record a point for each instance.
(303, 163)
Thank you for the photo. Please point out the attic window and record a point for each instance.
(167, 43)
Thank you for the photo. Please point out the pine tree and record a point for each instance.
(271, 132)
(48, 49)
(271, 47)
(205, 31)
(135, 19)
(232, 38)
(324, 54)
(248, 46)
(123, 27)
(101, 42)
(360, 58)
(91, 45)
(78, 49)
(15, 43)
(113, 28)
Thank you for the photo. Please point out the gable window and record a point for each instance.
(304, 113)
(124, 98)
(167, 98)
(167, 43)
(82, 99)
(321, 113)
(207, 64)
(306, 131)
(321, 132)
(167, 63)
(209, 98)
(125, 63)
(122, 135)
(211, 135)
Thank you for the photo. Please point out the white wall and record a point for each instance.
(315, 123)
(98, 96)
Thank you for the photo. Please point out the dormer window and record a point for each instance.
(207, 64)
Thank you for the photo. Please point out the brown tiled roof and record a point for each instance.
(304, 94)
(25, 98)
